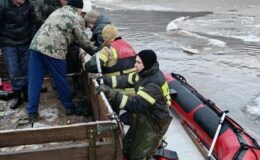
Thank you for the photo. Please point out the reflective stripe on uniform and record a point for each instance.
(166, 93)
(118, 73)
(146, 96)
(115, 55)
(123, 102)
(129, 70)
(140, 88)
(136, 78)
(130, 78)
(103, 57)
(114, 81)
(112, 74)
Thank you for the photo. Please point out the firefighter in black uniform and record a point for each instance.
(149, 107)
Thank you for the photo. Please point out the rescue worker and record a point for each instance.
(17, 27)
(149, 107)
(48, 51)
(117, 57)
(96, 22)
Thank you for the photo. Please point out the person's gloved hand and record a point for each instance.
(82, 55)
(95, 49)
(107, 90)
(1, 53)
(94, 76)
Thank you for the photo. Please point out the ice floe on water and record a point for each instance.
(252, 109)
(216, 42)
(240, 27)
(198, 43)
(173, 25)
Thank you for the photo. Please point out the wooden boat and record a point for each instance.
(99, 138)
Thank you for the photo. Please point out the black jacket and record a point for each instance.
(152, 97)
(17, 24)
(148, 81)
(97, 38)
(150, 106)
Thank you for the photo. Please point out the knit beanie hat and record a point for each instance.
(76, 3)
(148, 58)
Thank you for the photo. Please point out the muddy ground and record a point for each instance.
(51, 113)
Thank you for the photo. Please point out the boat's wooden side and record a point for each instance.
(99, 139)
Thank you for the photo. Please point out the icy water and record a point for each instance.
(225, 65)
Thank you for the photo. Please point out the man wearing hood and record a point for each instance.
(149, 107)
(96, 22)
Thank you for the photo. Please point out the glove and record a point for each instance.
(107, 90)
(94, 76)
(95, 49)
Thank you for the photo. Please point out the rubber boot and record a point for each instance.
(33, 116)
(17, 99)
(70, 111)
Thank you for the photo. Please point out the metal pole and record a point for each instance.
(217, 133)
(99, 68)
(102, 82)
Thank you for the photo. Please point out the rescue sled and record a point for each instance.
(201, 117)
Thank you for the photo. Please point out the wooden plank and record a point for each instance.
(99, 108)
(66, 152)
(54, 134)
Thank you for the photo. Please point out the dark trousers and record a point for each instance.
(16, 60)
(38, 65)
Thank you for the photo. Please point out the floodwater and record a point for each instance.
(225, 63)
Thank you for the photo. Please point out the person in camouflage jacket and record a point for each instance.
(43, 9)
(48, 51)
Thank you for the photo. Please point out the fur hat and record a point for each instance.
(148, 58)
(92, 16)
(76, 3)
